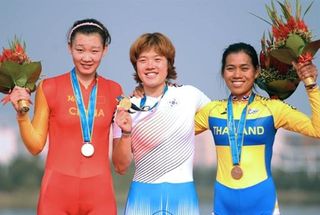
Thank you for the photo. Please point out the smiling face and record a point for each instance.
(152, 69)
(87, 51)
(239, 74)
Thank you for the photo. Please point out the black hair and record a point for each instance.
(240, 47)
(89, 26)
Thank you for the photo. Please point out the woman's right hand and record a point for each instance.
(17, 94)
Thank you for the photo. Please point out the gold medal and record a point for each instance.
(236, 172)
(125, 103)
(87, 149)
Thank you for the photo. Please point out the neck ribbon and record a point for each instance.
(86, 117)
(236, 136)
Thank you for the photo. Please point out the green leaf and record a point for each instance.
(296, 44)
(298, 9)
(13, 74)
(284, 55)
(308, 8)
(11, 69)
(281, 89)
(5, 80)
(261, 18)
(271, 13)
(32, 71)
(271, 37)
(21, 81)
(285, 11)
(31, 86)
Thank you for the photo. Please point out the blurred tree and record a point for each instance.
(22, 172)
(5, 183)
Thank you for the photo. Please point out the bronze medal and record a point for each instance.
(236, 172)
(125, 103)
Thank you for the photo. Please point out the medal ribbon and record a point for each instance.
(86, 118)
(236, 135)
(144, 100)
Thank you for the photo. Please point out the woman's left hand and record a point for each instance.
(306, 70)
(123, 120)
(138, 91)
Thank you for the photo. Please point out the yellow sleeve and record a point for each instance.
(202, 118)
(34, 133)
(291, 119)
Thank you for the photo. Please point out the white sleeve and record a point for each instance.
(201, 98)
(116, 130)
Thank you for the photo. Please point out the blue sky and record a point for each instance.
(199, 29)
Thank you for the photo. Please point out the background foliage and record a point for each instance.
(20, 182)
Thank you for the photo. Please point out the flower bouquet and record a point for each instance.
(290, 40)
(16, 69)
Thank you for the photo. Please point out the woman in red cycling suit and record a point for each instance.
(74, 110)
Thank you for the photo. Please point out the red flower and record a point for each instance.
(264, 61)
(17, 69)
(302, 26)
(16, 53)
(276, 33)
(289, 33)
(306, 57)
(292, 25)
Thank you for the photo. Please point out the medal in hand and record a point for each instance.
(124, 102)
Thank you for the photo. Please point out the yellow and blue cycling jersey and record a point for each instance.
(255, 192)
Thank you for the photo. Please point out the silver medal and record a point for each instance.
(87, 149)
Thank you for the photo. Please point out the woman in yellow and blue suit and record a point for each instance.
(244, 127)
